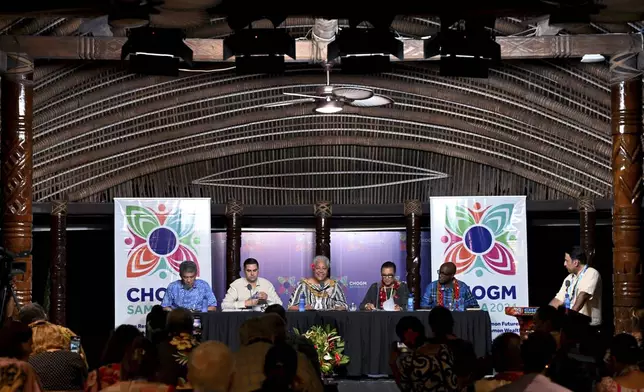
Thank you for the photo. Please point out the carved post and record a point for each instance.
(58, 268)
(413, 212)
(587, 223)
(322, 211)
(234, 210)
(16, 105)
(626, 127)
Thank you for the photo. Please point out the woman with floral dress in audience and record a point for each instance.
(623, 363)
(320, 291)
(174, 351)
(139, 369)
(110, 371)
(15, 346)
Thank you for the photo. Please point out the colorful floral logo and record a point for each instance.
(286, 284)
(159, 240)
(343, 281)
(478, 239)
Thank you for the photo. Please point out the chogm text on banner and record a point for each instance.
(151, 239)
(486, 238)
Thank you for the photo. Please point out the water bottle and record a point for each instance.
(567, 301)
(302, 306)
(410, 304)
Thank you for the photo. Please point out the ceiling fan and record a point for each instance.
(331, 99)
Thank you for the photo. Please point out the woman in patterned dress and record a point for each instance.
(320, 291)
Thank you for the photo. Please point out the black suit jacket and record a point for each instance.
(372, 296)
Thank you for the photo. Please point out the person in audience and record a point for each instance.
(441, 322)
(583, 286)
(257, 336)
(59, 368)
(211, 367)
(260, 293)
(155, 324)
(299, 342)
(175, 350)
(447, 290)
(418, 364)
(16, 374)
(139, 369)
(507, 362)
(280, 369)
(189, 292)
(548, 319)
(622, 363)
(109, 371)
(320, 291)
(388, 288)
(537, 352)
(35, 317)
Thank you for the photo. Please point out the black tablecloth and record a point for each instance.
(368, 335)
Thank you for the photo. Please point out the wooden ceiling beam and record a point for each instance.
(211, 50)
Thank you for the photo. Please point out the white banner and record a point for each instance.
(486, 238)
(151, 239)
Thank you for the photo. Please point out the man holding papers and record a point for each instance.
(251, 291)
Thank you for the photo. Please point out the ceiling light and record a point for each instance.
(592, 58)
(329, 106)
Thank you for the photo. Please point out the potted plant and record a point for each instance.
(329, 346)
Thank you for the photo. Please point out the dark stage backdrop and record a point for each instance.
(286, 257)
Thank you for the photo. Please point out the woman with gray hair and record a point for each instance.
(320, 291)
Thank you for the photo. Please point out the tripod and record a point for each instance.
(9, 269)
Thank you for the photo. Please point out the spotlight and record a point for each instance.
(156, 51)
(259, 50)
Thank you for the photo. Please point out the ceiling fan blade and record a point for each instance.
(352, 93)
(376, 100)
(288, 102)
(303, 95)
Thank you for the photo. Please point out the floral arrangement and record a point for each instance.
(329, 346)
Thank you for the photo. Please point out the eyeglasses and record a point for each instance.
(387, 276)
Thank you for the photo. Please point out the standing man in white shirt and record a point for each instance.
(583, 286)
(251, 291)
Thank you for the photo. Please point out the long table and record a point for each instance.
(368, 335)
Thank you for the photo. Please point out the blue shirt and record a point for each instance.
(198, 297)
(430, 298)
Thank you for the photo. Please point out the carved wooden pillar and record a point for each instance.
(626, 127)
(322, 212)
(58, 268)
(234, 210)
(413, 212)
(587, 223)
(16, 105)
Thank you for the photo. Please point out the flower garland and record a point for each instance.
(329, 347)
(440, 293)
(382, 295)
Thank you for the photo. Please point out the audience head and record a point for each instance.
(446, 273)
(537, 351)
(388, 273)
(441, 321)
(179, 320)
(624, 352)
(275, 326)
(210, 367)
(547, 319)
(258, 329)
(15, 340)
(280, 368)
(321, 266)
(141, 361)
(506, 352)
(575, 260)
(188, 273)
(48, 336)
(32, 312)
(410, 331)
(251, 269)
(276, 309)
(155, 324)
(119, 342)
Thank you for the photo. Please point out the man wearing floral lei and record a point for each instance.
(447, 290)
(389, 289)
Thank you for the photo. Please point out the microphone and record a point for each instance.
(250, 289)
(567, 284)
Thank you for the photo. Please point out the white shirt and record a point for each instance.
(238, 293)
(590, 283)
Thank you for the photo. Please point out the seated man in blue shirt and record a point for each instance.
(189, 292)
(447, 289)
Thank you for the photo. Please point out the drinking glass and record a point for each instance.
(353, 307)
